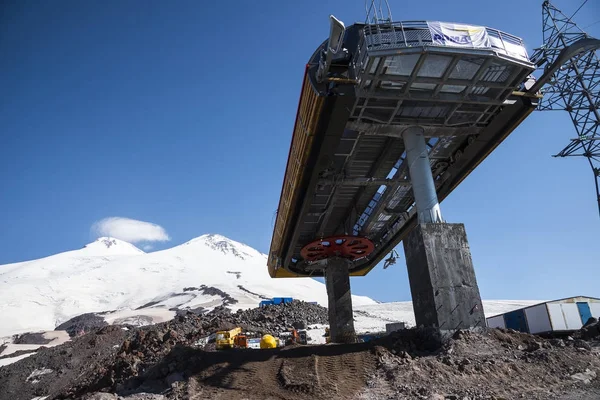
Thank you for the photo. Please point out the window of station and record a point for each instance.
(400, 65)
(422, 86)
(466, 68)
(434, 66)
(452, 88)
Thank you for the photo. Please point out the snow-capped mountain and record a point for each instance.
(113, 275)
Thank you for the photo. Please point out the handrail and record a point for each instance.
(379, 30)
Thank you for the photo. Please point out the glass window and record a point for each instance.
(400, 65)
(452, 88)
(374, 65)
(422, 86)
(466, 69)
(392, 85)
(434, 66)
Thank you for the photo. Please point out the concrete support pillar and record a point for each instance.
(440, 270)
(442, 278)
(419, 167)
(341, 319)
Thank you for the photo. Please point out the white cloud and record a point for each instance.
(148, 247)
(130, 230)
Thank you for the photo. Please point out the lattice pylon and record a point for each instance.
(575, 87)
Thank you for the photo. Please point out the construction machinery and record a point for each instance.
(241, 341)
(226, 339)
(292, 336)
(302, 337)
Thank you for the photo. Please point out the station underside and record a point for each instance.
(347, 172)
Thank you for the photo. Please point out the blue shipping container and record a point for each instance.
(516, 320)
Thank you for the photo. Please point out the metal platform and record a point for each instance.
(346, 171)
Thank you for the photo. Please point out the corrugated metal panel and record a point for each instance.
(595, 309)
(557, 319)
(538, 319)
(496, 322)
(572, 317)
(309, 109)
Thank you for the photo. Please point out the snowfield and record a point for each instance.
(126, 285)
(113, 275)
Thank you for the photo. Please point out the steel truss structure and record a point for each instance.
(574, 84)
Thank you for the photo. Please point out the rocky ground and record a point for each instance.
(164, 362)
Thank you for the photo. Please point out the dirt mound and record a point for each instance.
(31, 338)
(61, 365)
(271, 318)
(163, 362)
(82, 324)
(492, 364)
(591, 330)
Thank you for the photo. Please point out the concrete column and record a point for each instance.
(428, 208)
(442, 278)
(341, 319)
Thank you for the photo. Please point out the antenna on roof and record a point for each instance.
(375, 12)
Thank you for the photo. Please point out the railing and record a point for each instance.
(418, 33)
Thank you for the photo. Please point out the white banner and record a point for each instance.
(459, 35)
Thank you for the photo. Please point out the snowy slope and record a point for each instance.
(112, 275)
(372, 318)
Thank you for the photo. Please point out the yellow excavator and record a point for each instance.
(226, 339)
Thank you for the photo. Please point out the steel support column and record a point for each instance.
(428, 207)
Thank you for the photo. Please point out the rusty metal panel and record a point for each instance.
(309, 109)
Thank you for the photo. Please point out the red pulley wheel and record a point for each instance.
(349, 247)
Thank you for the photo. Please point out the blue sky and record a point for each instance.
(181, 113)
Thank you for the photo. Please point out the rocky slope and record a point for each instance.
(164, 361)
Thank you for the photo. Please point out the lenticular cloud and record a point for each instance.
(130, 230)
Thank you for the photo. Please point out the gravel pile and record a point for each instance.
(486, 365)
(83, 323)
(408, 364)
(591, 330)
(138, 360)
(275, 318)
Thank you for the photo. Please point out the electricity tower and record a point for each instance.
(571, 72)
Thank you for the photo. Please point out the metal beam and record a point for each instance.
(362, 181)
(368, 128)
(435, 81)
(567, 53)
(330, 205)
(442, 98)
(509, 118)
(446, 75)
(351, 217)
